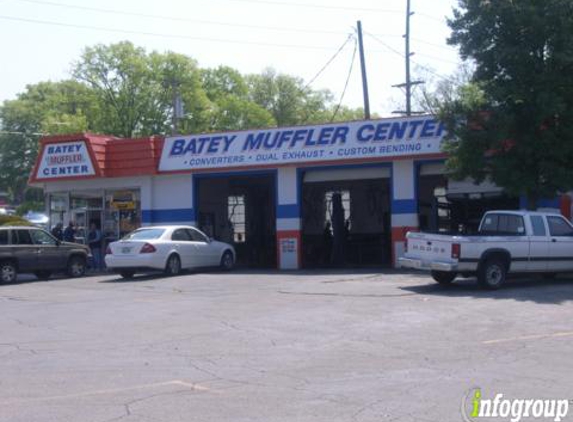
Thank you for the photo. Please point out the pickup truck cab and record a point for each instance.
(507, 242)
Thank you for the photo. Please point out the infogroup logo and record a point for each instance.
(476, 407)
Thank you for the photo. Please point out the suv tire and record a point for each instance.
(76, 266)
(8, 272)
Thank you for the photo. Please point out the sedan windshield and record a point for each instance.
(145, 234)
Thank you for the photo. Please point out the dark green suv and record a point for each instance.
(33, 250)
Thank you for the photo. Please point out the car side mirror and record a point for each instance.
(210, 239)
(58, 242)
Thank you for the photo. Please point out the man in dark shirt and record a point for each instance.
(70, 232)
(57, 232)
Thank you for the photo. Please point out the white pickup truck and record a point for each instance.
(507, 242)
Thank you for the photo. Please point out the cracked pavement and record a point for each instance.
(270, 346)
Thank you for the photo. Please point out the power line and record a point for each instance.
(317, 6)
(156, 34)
(329, 7)
(267, 2)
(434, 18)
(11, 132)
(176, 18)
(437, 58)
(347, 80)
(328, 62)
(392, 49)
(444, 46)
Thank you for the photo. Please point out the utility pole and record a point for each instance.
(409, 83)
(177, 107)
(363, 68)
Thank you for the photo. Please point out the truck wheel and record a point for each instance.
(8, 272)
(76, 266)
(491, 274)
(443, 277)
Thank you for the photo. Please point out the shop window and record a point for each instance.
(122, 213)
(345, 196)
(58, 208)
(237, 218)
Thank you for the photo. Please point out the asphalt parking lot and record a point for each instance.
(270, 346)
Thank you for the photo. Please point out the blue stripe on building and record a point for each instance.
(168, 216)
(541, 203)
(288, 211)
(404, 206)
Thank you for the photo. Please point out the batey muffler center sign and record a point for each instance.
(385, 138)
(66, 159)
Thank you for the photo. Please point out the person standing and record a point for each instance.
(94, 242)
(57, 232)
(70, 233)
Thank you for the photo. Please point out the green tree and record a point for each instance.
(223, 81)
(231, 107)
(44, 108)
(514, 121)
(287, 98)
(135, 89)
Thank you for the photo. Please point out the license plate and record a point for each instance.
(125, 250)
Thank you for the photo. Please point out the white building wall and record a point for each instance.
(172, 200)
(404, 204)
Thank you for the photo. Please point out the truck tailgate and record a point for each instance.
(429, 247)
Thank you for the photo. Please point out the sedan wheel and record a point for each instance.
(8, 272)
(173, 266)
(227, 261)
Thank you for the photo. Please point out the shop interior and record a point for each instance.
(346, 222)
(240, 210)
(457, 207)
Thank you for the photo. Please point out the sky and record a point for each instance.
(41, 39)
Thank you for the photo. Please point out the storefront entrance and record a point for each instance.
(114, 212)
(240, 210)
(346, 217)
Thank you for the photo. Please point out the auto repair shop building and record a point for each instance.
(284, 197)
